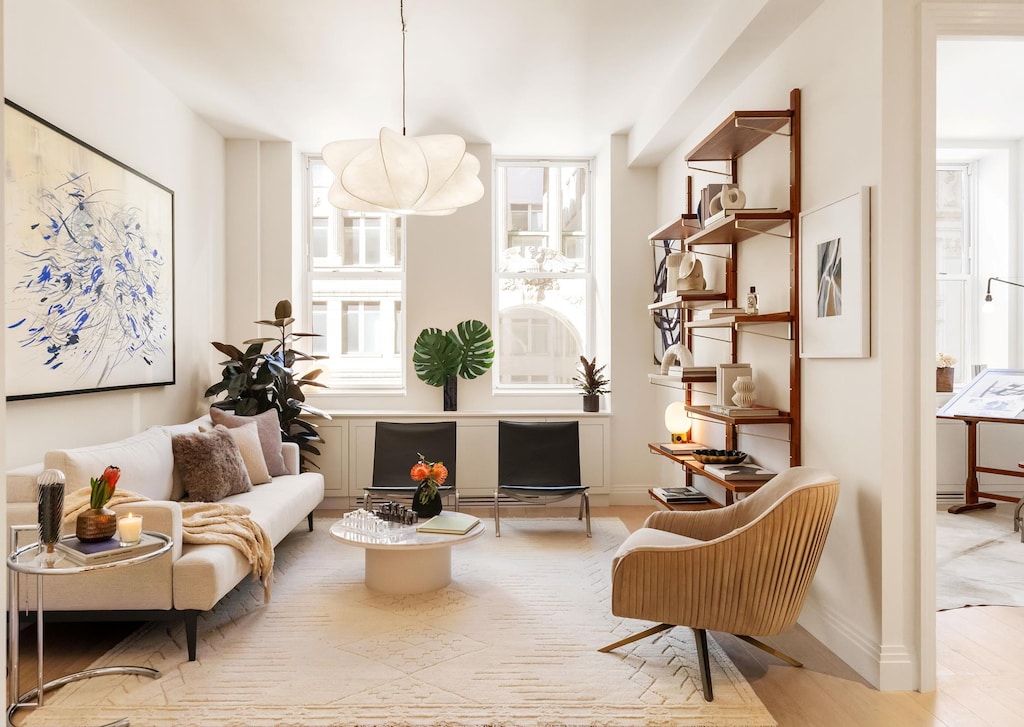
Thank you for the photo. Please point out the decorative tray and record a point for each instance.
(719, 456)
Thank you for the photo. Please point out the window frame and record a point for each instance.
(499, 243)
(336, 385)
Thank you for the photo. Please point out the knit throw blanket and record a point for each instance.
(202, 522)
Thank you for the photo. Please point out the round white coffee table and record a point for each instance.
(402, 560)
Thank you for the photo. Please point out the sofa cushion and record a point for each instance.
(210, 465)
(269, 426)
(145, 460)
(247, 438)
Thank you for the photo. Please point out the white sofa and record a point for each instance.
(188, 580)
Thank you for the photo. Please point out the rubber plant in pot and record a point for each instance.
(591, 380)
(439, 357)
(255, 381)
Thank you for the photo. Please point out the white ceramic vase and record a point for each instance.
(744, 387)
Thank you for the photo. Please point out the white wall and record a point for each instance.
(857, 413)
(57, 65)
(449, 279)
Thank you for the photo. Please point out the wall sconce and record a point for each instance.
(678, 422)
(987, 305)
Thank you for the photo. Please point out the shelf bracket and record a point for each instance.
(727, 173)
(768, 132)
(757, 231)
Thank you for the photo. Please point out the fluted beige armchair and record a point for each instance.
(743, 569)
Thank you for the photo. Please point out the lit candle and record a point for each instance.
(130, 529)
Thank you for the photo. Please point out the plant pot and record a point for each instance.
(429, 508)
(96, 524)
(591, 402)
(451, 393)
(944, 379)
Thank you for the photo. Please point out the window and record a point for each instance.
(355, 282)
(543, 271)
(954, 287)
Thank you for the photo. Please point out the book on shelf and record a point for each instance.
(680, 494)
(725, 377)
(731, 214)
(678, 448)
(726, 312)
(739, 472)
(684, 371)
(451, 523)
(106, 551)
(744, 411)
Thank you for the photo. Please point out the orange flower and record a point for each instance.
(420, 471)
(438, 472)
(102, 487)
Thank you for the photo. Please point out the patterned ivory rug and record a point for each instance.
(512, 641)
(980, 559)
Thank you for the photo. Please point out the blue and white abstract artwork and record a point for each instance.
(89, 262)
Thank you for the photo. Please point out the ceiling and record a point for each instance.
(527, 76)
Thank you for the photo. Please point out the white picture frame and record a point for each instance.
(835, 278)
(726, 375)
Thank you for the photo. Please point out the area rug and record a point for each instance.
(980, 559)
(512, 641)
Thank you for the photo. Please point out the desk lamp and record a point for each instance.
(987, 305)
(678, 422)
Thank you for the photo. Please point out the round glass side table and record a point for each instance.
(30, 560)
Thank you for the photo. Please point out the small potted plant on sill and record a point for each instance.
(591, 380)
(944, 364)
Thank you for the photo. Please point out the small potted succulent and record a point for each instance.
(592, 382)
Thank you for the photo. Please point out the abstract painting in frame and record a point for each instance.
(89, 267)
(835, 301)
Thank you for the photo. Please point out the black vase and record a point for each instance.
(50, 484)
(429, 508)
(451, 393)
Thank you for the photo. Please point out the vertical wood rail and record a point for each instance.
(796, 389)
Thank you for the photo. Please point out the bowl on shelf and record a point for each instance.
(719, 456)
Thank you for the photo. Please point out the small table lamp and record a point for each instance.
(678, 422)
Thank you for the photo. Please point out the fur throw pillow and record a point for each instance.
(210, 465)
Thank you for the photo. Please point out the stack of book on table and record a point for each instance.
(449, 523)
(744, 411)
(105, 551)
(679, 495)
(681, 449)
(739, 472)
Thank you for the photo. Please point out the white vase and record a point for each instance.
(744, 387)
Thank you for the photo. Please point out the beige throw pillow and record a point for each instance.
(269, 427)
(247, 438)
(210, 465)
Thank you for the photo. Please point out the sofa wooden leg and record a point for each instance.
(191, 632)
(310, 519)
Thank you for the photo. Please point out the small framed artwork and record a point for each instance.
(835, 277)
(992, 394)
(89, 271)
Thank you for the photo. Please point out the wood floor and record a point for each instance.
(980, 665)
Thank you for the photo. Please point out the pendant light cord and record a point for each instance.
(401, 13)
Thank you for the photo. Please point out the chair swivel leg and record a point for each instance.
(636, 637)
(773, 651)
(701, 637)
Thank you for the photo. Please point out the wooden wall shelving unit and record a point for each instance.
(741, 132)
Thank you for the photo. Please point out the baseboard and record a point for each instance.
(884, 667)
